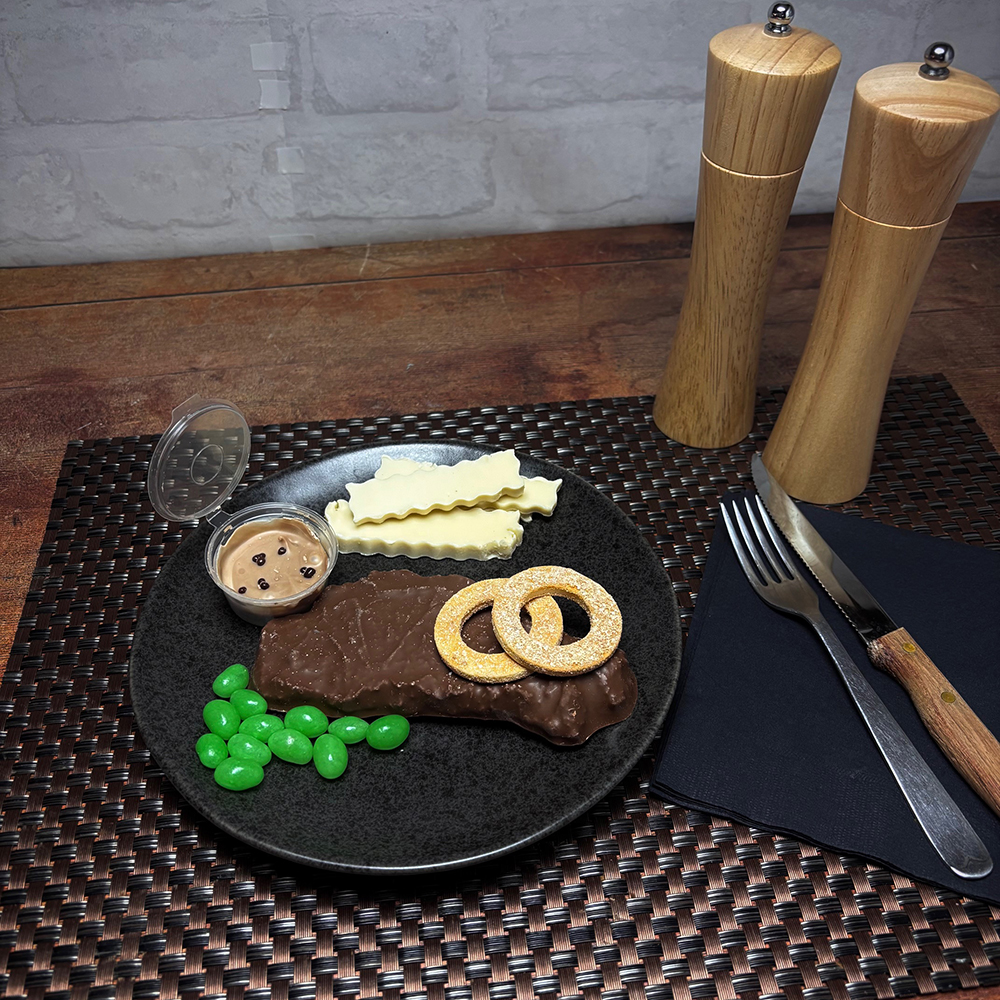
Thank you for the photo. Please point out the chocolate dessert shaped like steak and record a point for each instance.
(367, 649)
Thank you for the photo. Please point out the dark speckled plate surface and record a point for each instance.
(456, 792)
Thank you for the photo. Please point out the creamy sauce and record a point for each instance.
(273, 559)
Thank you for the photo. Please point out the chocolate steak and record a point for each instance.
(367, 648)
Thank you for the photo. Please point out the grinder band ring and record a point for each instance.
(579, 657)
(490, 668)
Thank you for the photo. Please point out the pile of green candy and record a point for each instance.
(242, 737)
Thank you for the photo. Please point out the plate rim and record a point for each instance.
(192, 795)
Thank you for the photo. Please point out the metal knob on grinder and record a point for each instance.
(913, 138)
(779, 19)
(937, 58)
(765, 91)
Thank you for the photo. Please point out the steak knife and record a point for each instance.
(956, 729)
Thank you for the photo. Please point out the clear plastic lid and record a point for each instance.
(200, 459)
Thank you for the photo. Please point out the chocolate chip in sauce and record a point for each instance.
(242, 590)
(263, 584)
(257, 543)
(308, 572)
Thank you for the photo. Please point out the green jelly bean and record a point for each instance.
(292, 746)
(238, 775)
(249, 748)
(211, 750)
(248, 703)
(261, 727)
(233, 678)
(388, 732)
(330, 756)
(307, 720)
(350, 729)
(221, 718)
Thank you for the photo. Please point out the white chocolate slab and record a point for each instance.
(443, 487)
(538, 497)
(463, 533)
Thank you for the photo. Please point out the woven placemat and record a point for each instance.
(114, 887)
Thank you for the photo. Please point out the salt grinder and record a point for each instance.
(766, 89)
(914, 135)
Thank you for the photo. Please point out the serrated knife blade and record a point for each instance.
(966, 741)
(848, 592)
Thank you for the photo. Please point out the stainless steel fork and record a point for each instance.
(774, 575)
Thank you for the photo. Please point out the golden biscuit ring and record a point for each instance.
(579, 657)
(490, 668)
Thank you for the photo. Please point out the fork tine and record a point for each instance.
(772, 530)
(739, 544)
(757, 557)
(779, 567)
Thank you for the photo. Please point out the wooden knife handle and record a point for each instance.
(960, 733)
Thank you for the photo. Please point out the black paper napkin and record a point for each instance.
(763, 731)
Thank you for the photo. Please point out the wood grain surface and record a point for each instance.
(777, 83)
(706, 395)
(106, 350)
(912, 143)
(960, 733)
(822, 444)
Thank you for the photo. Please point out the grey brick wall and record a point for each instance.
(160, 128)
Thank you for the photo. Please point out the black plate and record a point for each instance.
(456, 792)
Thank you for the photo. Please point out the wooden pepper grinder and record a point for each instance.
(766, 89)
(914, 135)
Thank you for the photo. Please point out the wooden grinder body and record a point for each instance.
(912, 142)
(764, 98)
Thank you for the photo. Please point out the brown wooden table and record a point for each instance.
(108, 349)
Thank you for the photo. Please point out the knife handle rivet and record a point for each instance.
(948, 696)
(908, 647)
